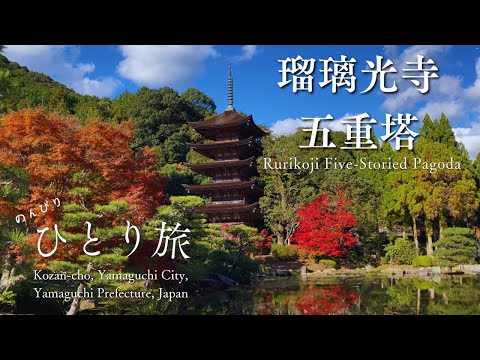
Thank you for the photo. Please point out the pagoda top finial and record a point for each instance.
(230, 89)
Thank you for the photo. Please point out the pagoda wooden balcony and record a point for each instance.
(228, 150)
(239, 187)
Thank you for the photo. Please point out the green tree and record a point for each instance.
(213, 248)
(200, 102)
(400, 184)
(160, 118)
(445, 132)
(174, 149)
(107, 252)
(457, 246)
(157, 114)
(91, 107)
(4, 83)
(105, 220)
(285, 190)
(180, 210)
(178, 175)
(434, 198)
(13, 187)
(427, 131)
(476, 174)
(244, 237)
(450, 196)
(122, 105)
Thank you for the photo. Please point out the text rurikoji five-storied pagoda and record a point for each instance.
(235, 148)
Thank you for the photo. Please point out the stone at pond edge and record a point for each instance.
(283, 273)
(87, 304)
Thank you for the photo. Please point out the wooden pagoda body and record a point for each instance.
(234, 147)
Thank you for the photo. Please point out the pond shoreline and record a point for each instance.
(400, 271)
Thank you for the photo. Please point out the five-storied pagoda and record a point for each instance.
(234, 147)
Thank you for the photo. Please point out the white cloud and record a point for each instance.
(452, 108)
(60, 63)
(248, 52)
(474, 90)
(160, 65)
(408, 95)
(469, 137)
(287, 126)
(401, 101)
(429, 51)
(100, 87)
(391, 50)
(291, 125)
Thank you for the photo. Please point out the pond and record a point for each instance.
(357, 296)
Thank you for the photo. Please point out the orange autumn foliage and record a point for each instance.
(58, 155)
(105, 151)
(39, 143)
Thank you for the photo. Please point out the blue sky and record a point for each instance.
(109, 70)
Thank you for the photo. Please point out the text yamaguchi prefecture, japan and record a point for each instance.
(298, 73)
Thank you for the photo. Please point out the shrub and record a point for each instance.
(328, 263)
(7, 300)
(457, 246)
(424, 261)
(285, 252)
(403, 251)
(303, 254)
(423, 284)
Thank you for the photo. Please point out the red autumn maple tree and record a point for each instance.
(59, 155)
(326, 226)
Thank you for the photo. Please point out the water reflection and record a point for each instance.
(309, 300)
(382, 296)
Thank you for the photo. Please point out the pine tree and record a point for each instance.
(457, 246)
(445, 133)
(427, 130)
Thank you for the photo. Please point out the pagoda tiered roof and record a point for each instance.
(247, 146)
(228, 121)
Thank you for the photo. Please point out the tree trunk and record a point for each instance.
(280, 238)
(429, 245)
(415, 236)
(419, 294)
(442, 224)
(239, 253)
(76, 301)
(8, 271)
(429, 229)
